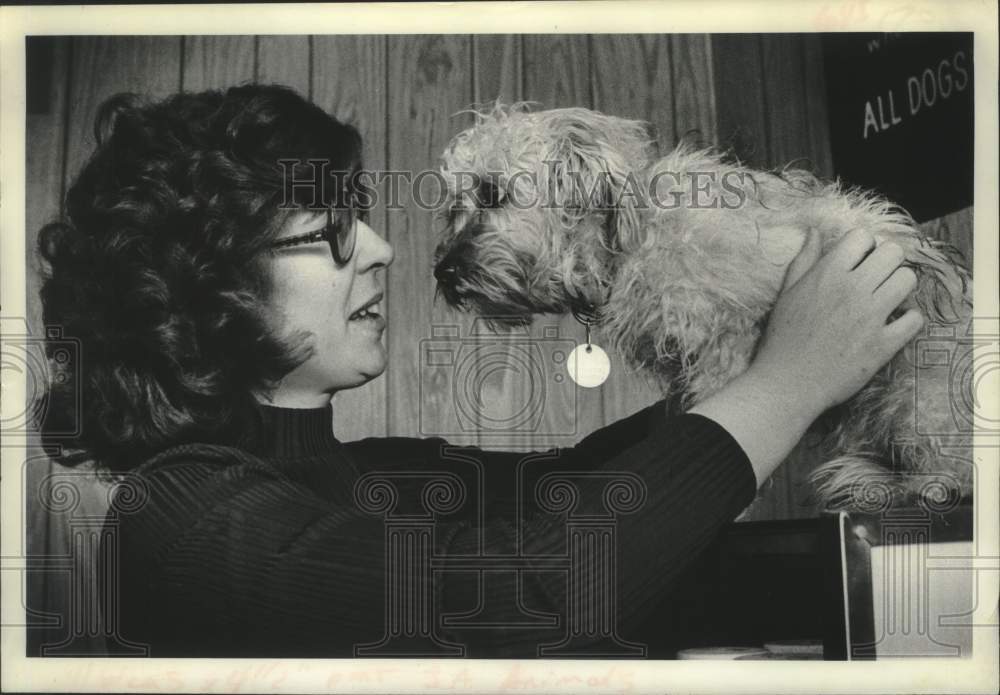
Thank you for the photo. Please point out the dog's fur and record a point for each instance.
(683, 289)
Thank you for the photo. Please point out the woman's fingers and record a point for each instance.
(894, 291)
(812, 249)
(851, 249)
(879, 265)
(830, 328)
(901, 331)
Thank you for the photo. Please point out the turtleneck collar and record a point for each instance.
(295, 432)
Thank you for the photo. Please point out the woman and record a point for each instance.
(217, 320)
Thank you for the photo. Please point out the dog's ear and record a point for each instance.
(596, 165)
(626, 233)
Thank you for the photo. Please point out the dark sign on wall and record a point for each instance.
(901, 116)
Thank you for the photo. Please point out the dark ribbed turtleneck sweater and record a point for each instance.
(262, 549)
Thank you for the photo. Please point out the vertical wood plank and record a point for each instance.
(557, 74)
(44, 158)
(349, 81)
(285, 60)
(47, 71)
(430, 81)
(788, 494)
(759, 101)
(787, 133)
(693, 88)
(498, 70)
(817, 120)
(771, 112)
(792, 478)
(102, 66)
(739, 96)
(557, 70)
(632, 77)
(215, 62)
(497, 75)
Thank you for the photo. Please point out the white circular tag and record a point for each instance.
(588, 365)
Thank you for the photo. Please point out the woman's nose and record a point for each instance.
(373, 251)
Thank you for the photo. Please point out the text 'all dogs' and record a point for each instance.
(933, 85)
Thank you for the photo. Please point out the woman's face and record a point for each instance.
(315, 296)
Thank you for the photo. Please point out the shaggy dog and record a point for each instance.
(678, 260)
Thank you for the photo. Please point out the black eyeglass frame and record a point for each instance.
(331, 234)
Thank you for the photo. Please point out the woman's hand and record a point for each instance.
(829, 331)
(828, 334)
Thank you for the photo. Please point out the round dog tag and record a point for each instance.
(588, 365)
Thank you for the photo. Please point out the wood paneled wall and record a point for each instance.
(771, 111)
(761, 95)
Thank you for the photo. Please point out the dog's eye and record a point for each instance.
(488, 195)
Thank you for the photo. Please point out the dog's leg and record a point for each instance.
(890, 440)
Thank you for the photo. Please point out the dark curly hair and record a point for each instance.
(158, 269)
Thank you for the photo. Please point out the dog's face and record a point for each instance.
(536, 212)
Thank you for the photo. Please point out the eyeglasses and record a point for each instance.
(341, 234)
